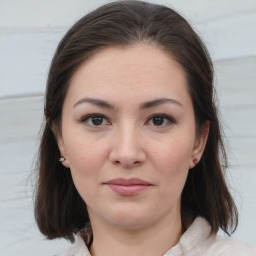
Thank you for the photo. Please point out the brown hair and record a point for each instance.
(59, 209)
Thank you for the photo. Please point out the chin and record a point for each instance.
(131, 220)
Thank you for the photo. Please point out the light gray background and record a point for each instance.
(29, 33)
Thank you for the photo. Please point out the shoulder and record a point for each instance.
(226, 246)
(79, 248)
(198, 240)
(67, 252)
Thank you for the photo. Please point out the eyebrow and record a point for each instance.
(158, 102)
(145, 105)
(96, 102)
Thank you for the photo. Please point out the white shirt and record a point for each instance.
(196, 241)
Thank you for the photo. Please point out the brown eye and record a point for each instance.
(158, 120)
(97, 120)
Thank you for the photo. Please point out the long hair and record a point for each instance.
(59, 209)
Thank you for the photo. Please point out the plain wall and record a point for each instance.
(29, 33)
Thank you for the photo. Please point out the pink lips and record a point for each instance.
(128, 187)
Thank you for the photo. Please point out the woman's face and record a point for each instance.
(129, 135)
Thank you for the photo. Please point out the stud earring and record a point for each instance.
(62, 159)
(195, 161)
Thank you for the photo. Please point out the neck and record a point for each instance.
(153, 240)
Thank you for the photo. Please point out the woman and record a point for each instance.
(130, 154)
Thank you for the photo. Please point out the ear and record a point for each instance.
(199, 145)
(61, 146)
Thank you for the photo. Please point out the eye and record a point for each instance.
(160, 120)
(95, 120)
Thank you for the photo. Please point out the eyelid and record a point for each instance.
(85, 118)
(167, 117)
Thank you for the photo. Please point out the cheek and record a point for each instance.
(172, 166)
(86, 157)
(86, 163)
(173, 175)
(174, 170)
(174, 156)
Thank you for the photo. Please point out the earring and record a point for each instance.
(195, 161)
(62, 159)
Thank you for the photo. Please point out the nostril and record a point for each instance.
(127, 164)
(117, 162)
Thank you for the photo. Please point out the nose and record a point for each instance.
(127, 150)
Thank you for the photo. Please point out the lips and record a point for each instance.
(128, 187)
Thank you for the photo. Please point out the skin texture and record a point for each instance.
(132, 140)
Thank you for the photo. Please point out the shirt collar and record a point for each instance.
(198, 233)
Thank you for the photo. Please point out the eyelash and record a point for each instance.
(167, 118)
(86, 119)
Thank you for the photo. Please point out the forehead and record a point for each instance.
(122, 72)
